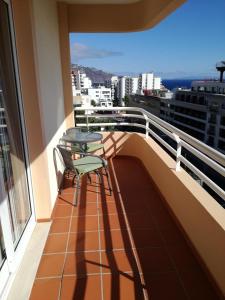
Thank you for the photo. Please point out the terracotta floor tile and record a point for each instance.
(83, 241)
(85, 223)
(56, 243)
(87, 288)
(164, 286)
(90, 196)
(197, 285)
(45, 289)
(89, 208)
(60, 225)
(154, 260)
(65, 198)
(51, 265)
(106, 197)
(110, 208)
(140, 221)
(82, 263)
(182, 257)
(116, 239)
(146, 238)
(122, 287)
(119, 262)
(114, 221)
(62, 211)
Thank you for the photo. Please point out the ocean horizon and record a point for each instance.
(177, 83)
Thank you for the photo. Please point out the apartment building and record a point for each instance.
(148, 82)
(79, 262)
(80, 80)
(98, 94)
(112, 83)
(199, 112)
(127, 86)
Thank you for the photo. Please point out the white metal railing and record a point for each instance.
(206, 154)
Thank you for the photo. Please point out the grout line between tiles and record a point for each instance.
(99, 243)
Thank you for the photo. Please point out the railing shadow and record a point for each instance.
(114, 268)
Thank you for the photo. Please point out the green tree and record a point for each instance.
(126, 100)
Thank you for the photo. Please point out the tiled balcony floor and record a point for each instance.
(124, 246)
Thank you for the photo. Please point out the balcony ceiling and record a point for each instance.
(116, 15)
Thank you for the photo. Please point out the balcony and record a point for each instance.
(123, 246)
(159, 228)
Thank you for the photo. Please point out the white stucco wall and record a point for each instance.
(48, 66)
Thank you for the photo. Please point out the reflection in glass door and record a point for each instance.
(14, 193)
(11, 137)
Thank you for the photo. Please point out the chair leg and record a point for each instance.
(99, 177)
(75, 199)
(109, 185)
(89, 177)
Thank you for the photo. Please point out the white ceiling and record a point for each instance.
(99, 1)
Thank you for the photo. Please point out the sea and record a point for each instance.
(177, 83)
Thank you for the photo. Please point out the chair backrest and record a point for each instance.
(67, 157)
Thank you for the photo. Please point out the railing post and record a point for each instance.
(178, 155)
(146, 126)
(87, 123)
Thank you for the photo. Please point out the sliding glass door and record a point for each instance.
(15, 204)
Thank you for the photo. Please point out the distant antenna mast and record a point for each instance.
(220, 66)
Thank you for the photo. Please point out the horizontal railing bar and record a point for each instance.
(206, 179)
(211, 163)
(110, 116)
(164, 130)
(212, 153)
(111, 124)
(168, 147)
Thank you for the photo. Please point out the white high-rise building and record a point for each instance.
(112, 83)
(147, 82)
(157, 83)
(127, 86)
(80, 80)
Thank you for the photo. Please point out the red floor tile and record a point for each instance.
(146, 238)
(62, 211)
(154, 260)
(114, 221)
(83, 241)
(123, 287)
(51, 265)
(119, 262)
(82, 263)
(86, 288)
(84, 223)
(45, 289)
(60, 225)
(56, 243)
(115, 239)
(88, 208)
(164, 286)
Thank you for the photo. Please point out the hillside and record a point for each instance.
(97, 76)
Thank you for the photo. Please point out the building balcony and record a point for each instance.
(159, 228)
(127, 245)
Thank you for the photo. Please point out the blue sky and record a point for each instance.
(187, 43)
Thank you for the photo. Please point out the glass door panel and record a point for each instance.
(11, 136)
